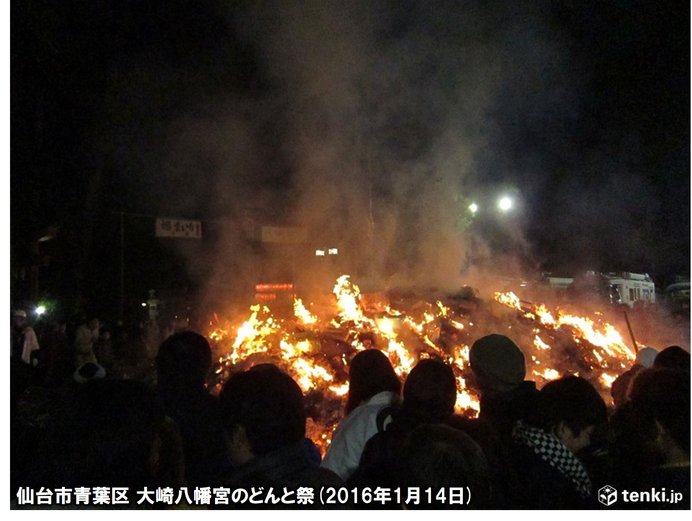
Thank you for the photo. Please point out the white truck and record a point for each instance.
(633, 287)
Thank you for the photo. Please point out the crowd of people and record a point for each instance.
(52, 350)
(558, 447)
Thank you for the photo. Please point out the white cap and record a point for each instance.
(646, 356)
(19, 313)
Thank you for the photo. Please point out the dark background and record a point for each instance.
(125, 111)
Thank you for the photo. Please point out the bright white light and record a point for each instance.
(505, 204)
(319, 253)
(144, 304)
(40, 310)
(473, 207)
(333, 251)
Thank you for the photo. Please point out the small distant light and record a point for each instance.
(505, 204)
(319, 253)
(144, 304)
(473, 207)
(333, 251)
(40, 310)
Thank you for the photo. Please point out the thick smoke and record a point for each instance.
(371, 126)
(381, 115)
(367, 126)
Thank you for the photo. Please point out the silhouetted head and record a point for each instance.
(673, 357)
(370, 373)
(265, 406)
(570, 408)
(497, 364)
(183, 360)
(660, 399)
(438, 456)
(19, 318)
(430, 390)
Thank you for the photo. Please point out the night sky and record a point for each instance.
(372, 122)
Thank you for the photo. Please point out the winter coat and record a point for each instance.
(354, 431)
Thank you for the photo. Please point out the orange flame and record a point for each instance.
(404, 338)
(302, 314)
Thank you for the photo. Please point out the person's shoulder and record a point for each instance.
(540, 485)
(366, 414)
(378, 401)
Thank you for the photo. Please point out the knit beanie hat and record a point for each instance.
(497, 363)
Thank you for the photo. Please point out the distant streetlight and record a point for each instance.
(505, 204)
(40, 310)
(473, 208)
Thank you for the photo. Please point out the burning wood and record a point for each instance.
(315, 347)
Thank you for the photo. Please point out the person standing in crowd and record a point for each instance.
(440, 457)
(56, 357)
(116, 433)
(548, 442)
(263, 416)
(429, 396)
(673, 357)
(620, 388)
(373, 385)
(23, 356)
(85, 337)
(25, 345)
(103, 349)
(498, 371)
(183, 362)
(660, 414)
(633, 434)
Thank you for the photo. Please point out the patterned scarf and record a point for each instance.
(553, 451)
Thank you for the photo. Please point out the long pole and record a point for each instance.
(629, 327)
(122, 266)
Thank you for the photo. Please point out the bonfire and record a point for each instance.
(314, 343)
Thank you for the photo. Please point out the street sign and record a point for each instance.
(178, 228)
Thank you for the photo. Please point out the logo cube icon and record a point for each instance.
(607, 495)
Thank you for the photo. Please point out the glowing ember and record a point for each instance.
(465, 400)
(509, 299)
(302, 313)
(540, 344)
(339, 390)
(607, 379)
(548, 374)
(348, 301)
(598, 342)
(300, 348)
(386, 326)
(310, 374)
(403, 362)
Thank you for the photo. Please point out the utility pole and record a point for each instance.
(121, 310)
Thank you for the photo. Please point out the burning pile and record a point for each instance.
(315, 345)
(596, 348)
